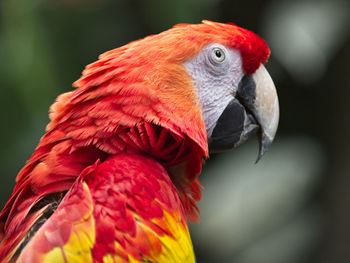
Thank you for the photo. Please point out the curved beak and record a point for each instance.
(254, 109)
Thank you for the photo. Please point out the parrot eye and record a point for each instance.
(217, 55)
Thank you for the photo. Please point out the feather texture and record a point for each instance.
(136, 100)
(125, 209)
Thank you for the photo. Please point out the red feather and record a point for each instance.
(137, 100)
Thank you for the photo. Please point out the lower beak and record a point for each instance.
(254, 110)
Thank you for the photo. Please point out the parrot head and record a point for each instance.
(206, 81)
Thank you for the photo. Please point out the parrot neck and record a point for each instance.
(180, 155)
(59, 159)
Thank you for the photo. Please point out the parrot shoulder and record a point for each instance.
(125, 209)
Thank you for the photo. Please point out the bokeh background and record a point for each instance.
(292, 207)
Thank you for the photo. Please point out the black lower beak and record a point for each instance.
(233, 127)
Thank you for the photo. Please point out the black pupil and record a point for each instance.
(218, 53)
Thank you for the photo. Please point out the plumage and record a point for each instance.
(121, 156)
(119, 206)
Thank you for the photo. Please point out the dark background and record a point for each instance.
(294, 206)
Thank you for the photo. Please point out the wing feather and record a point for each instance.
(69, 234)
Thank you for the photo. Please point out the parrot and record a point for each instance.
(115, 178)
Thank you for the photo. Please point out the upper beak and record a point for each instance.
(254, 110)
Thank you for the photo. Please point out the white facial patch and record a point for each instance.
(216, 71)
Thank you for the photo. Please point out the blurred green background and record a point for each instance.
(292, 207)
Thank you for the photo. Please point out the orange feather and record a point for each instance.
(136, 99)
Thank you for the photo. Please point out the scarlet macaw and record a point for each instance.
(115, 178)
